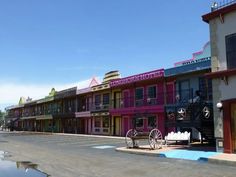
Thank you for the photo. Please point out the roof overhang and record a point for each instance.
(218, 13)
(220, 74)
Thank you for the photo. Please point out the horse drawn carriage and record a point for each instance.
(153, 135)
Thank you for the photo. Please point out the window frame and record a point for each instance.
(108, 98)
(228, 51)
(156, 121)
(148, 87)
(100, 100)
(142, 93)
(139, 118)
(97, 119)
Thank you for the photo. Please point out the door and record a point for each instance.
(233, 125)
(170, 93)
(184, 90)
(125, 125)
(117, 126)
(81, 126)
(126, 99)
(117, 100)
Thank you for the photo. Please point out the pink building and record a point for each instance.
(141, 97)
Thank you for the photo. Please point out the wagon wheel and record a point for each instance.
(129, 138)
(155, 139)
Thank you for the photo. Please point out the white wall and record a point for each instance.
(222, 30)
(228, 91)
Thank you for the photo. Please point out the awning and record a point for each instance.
(44, 117)
(26, 118)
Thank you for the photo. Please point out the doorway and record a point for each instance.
(81, 126)
(233, 125)
(184, 87)
(126, 99)
(117, 126)
(117, 99)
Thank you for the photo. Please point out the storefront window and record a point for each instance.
(139, 122)
(105, 122)
(152, 121)
(97, 122)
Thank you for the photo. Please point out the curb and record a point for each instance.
(140, 152)
(221, 162)
(159, 154)
(84, 135)
(65, 134)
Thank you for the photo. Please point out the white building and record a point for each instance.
(222, 23)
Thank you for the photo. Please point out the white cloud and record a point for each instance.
(10, 93)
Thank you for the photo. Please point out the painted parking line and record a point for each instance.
(72, 141)
(89, 143)
(104, 147)
(188, 155)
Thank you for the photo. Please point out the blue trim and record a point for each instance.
(188, 155)
(188, 68)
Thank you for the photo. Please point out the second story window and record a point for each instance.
(139, 94)
(97, 102)
(106, 98)
(230, 42)
(97, 99)
(152, 92)
(151, 95)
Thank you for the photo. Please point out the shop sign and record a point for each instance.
(139, 77)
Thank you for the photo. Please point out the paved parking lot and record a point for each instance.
(60, 155)
(63, 140)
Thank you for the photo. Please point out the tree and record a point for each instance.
(2, 116)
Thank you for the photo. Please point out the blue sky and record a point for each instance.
(48, 43)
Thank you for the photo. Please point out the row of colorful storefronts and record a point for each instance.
(197, 95)
(152, 99)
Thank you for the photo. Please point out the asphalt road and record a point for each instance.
(74, 156)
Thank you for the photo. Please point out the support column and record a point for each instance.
(76, 126)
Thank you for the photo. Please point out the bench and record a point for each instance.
(185, 136)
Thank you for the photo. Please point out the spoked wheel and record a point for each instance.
(129, 138)
(155, 139)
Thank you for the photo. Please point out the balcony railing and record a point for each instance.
(84, 107)
(185, 106)
(100, 107)
(132, 102)
(184, 97)
(219, 5)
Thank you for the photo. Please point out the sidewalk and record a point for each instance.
(183, 152)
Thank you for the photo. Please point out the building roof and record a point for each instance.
(190, 68)
(200, 60)
(220, 11)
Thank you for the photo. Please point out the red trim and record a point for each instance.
(207, 17)
(227, 128)
(228, 143)
(223, 73)
(132, 110)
